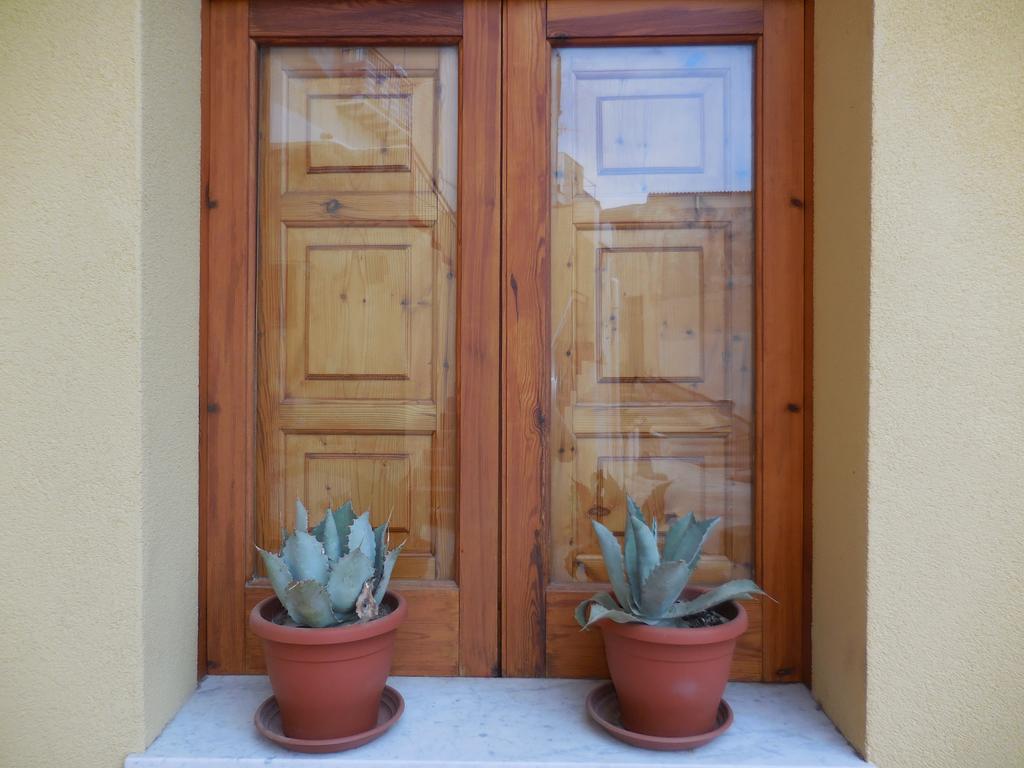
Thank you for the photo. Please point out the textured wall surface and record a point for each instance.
(842, 264)
(170, 76)
(946, 479)
(98, 307)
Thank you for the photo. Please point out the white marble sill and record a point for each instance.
(512, 723)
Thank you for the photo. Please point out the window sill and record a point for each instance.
(514, 723)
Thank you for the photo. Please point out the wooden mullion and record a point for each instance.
(525, 284)
(479, 273)
(781, 295)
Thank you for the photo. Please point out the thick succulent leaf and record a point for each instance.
(632, 564)
(598, 612)
(343, 517)
(301, 517)
(309, 605)
(361, 537)
(601, 598)
(305, 557)
(612, 554)
(634, 509)
(331, 539)
(277, 571)
(675, 533)
(347, 579)
(386, 570)
(380, 548)
(740, 589)
(646, 550)
(686, 538)
(663, 588)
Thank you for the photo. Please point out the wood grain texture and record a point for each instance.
(204, 229)
(638, 18)
(277, 20)
(808, 552)
(572, 652)
(526, 394)
(479, 305)
(781, 403)
(228, 315)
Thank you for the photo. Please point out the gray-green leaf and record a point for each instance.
(612, 554)
(332, 541)
(309, 605)
(632, 563)
(741, 589)
(277, 571)
(301, 517)
(305, 557)
(634, 509)
(386, 570)
(686, 538)
(347, 579)
(598, 612)
(343, 518)
(663, 588)
(380, 548)
(601, 598)
(646, 549)
(361, 536)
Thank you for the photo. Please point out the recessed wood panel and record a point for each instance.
(345, 131)
(650, 314)
(651, 308)
(664, 119)
(388, 475)
(668, 478)
(365, 312)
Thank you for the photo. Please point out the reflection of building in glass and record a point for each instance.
(652, 298)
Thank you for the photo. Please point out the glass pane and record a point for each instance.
(652, 298)
(356, 293)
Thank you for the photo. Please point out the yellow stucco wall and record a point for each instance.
(919, 379)
(99, 134)
(945, 657)
(842, 251)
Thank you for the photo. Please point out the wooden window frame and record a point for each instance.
(233, 31)
(507, 473)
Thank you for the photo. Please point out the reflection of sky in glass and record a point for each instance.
(655, 120)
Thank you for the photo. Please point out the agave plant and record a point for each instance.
(648, 584)
(336, 574)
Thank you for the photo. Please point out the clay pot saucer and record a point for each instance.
(603, 708)
(268, 723)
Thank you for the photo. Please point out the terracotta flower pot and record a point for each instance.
(327, 682)
(669, 681)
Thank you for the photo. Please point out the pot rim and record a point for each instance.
(681, 635)
(349, 633)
